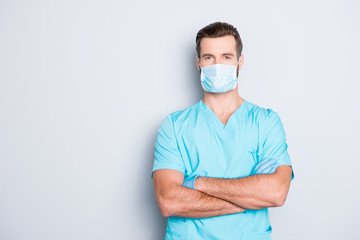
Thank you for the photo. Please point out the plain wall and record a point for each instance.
(84, 86)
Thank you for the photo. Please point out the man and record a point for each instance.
(220, 163)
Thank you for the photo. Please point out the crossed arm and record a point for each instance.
(176, 200)
(216, 196)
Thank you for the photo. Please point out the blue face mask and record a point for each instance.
(218, 78)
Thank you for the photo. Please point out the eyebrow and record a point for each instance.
(208, 54)
(228, 54)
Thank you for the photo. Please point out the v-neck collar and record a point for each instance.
(216, 121)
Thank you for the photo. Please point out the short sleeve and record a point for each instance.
(273, 140)
(167, 154)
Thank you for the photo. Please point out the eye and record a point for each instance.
(207, 57)
(227, 57)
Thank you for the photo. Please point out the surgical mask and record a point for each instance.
(218, 78)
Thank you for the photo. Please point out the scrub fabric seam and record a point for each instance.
(177, 144)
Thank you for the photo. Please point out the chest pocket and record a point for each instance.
(210, 153)
(251, 147)
(247, 157)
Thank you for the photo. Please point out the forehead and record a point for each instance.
(218, 45)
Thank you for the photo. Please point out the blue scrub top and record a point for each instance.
(195, 141)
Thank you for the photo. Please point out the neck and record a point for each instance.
(223, 103)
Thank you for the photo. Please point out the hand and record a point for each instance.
(265, 166)
(190, 182)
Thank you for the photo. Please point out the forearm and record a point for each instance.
(252, 192)
(185, 202)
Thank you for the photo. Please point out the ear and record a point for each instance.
(197, 63)
(241, 61)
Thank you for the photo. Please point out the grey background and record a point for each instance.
(84, 86)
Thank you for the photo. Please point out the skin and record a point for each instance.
(216, 196)
(252, 192)
(175, 200)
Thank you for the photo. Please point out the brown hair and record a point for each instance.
(219, 29)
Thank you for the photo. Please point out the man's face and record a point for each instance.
(221, 50)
